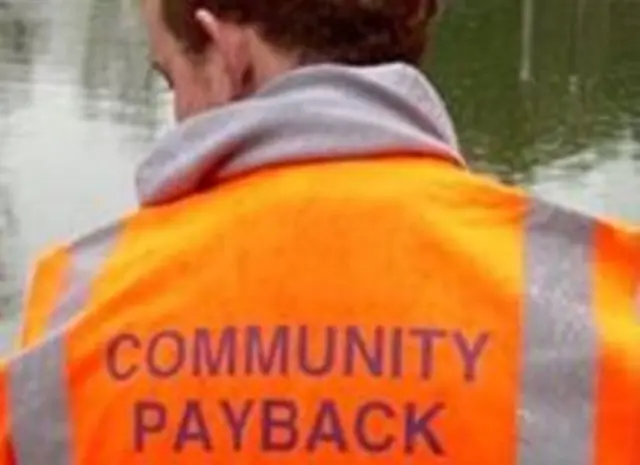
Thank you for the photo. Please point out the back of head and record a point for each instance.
(352, 32)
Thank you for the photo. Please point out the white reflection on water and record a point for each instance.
(603, 180)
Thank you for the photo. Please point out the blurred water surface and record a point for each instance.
(545, 93)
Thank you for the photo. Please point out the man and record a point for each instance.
(314, 277)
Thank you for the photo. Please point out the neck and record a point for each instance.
(269, 63)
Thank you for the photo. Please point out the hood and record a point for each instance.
(319, 112)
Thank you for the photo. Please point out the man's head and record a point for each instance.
(212, 52)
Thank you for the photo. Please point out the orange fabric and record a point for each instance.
(6, 453)
(281, 248)
(48, 282)
(394, 244)
(616, 292)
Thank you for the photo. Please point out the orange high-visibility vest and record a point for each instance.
(384, 311)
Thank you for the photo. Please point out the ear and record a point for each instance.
(229, 41)
(209, 23)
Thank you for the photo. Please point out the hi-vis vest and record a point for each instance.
(397, 311)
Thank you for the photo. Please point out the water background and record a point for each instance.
(545, 94)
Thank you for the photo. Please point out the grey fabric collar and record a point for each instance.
(317, 112)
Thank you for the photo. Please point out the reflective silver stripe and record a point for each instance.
(41, 429)
(87, 258)
(39, 405)
(556, 416)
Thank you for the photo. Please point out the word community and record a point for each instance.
(289, 424)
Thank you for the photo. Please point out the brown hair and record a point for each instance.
(358, 32)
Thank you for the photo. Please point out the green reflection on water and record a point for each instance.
(532, 81)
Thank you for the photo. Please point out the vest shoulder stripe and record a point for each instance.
(38, 392)
(560, 340)
(87, 256)
(40, 429)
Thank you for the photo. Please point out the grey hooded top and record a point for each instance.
(316, 112)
